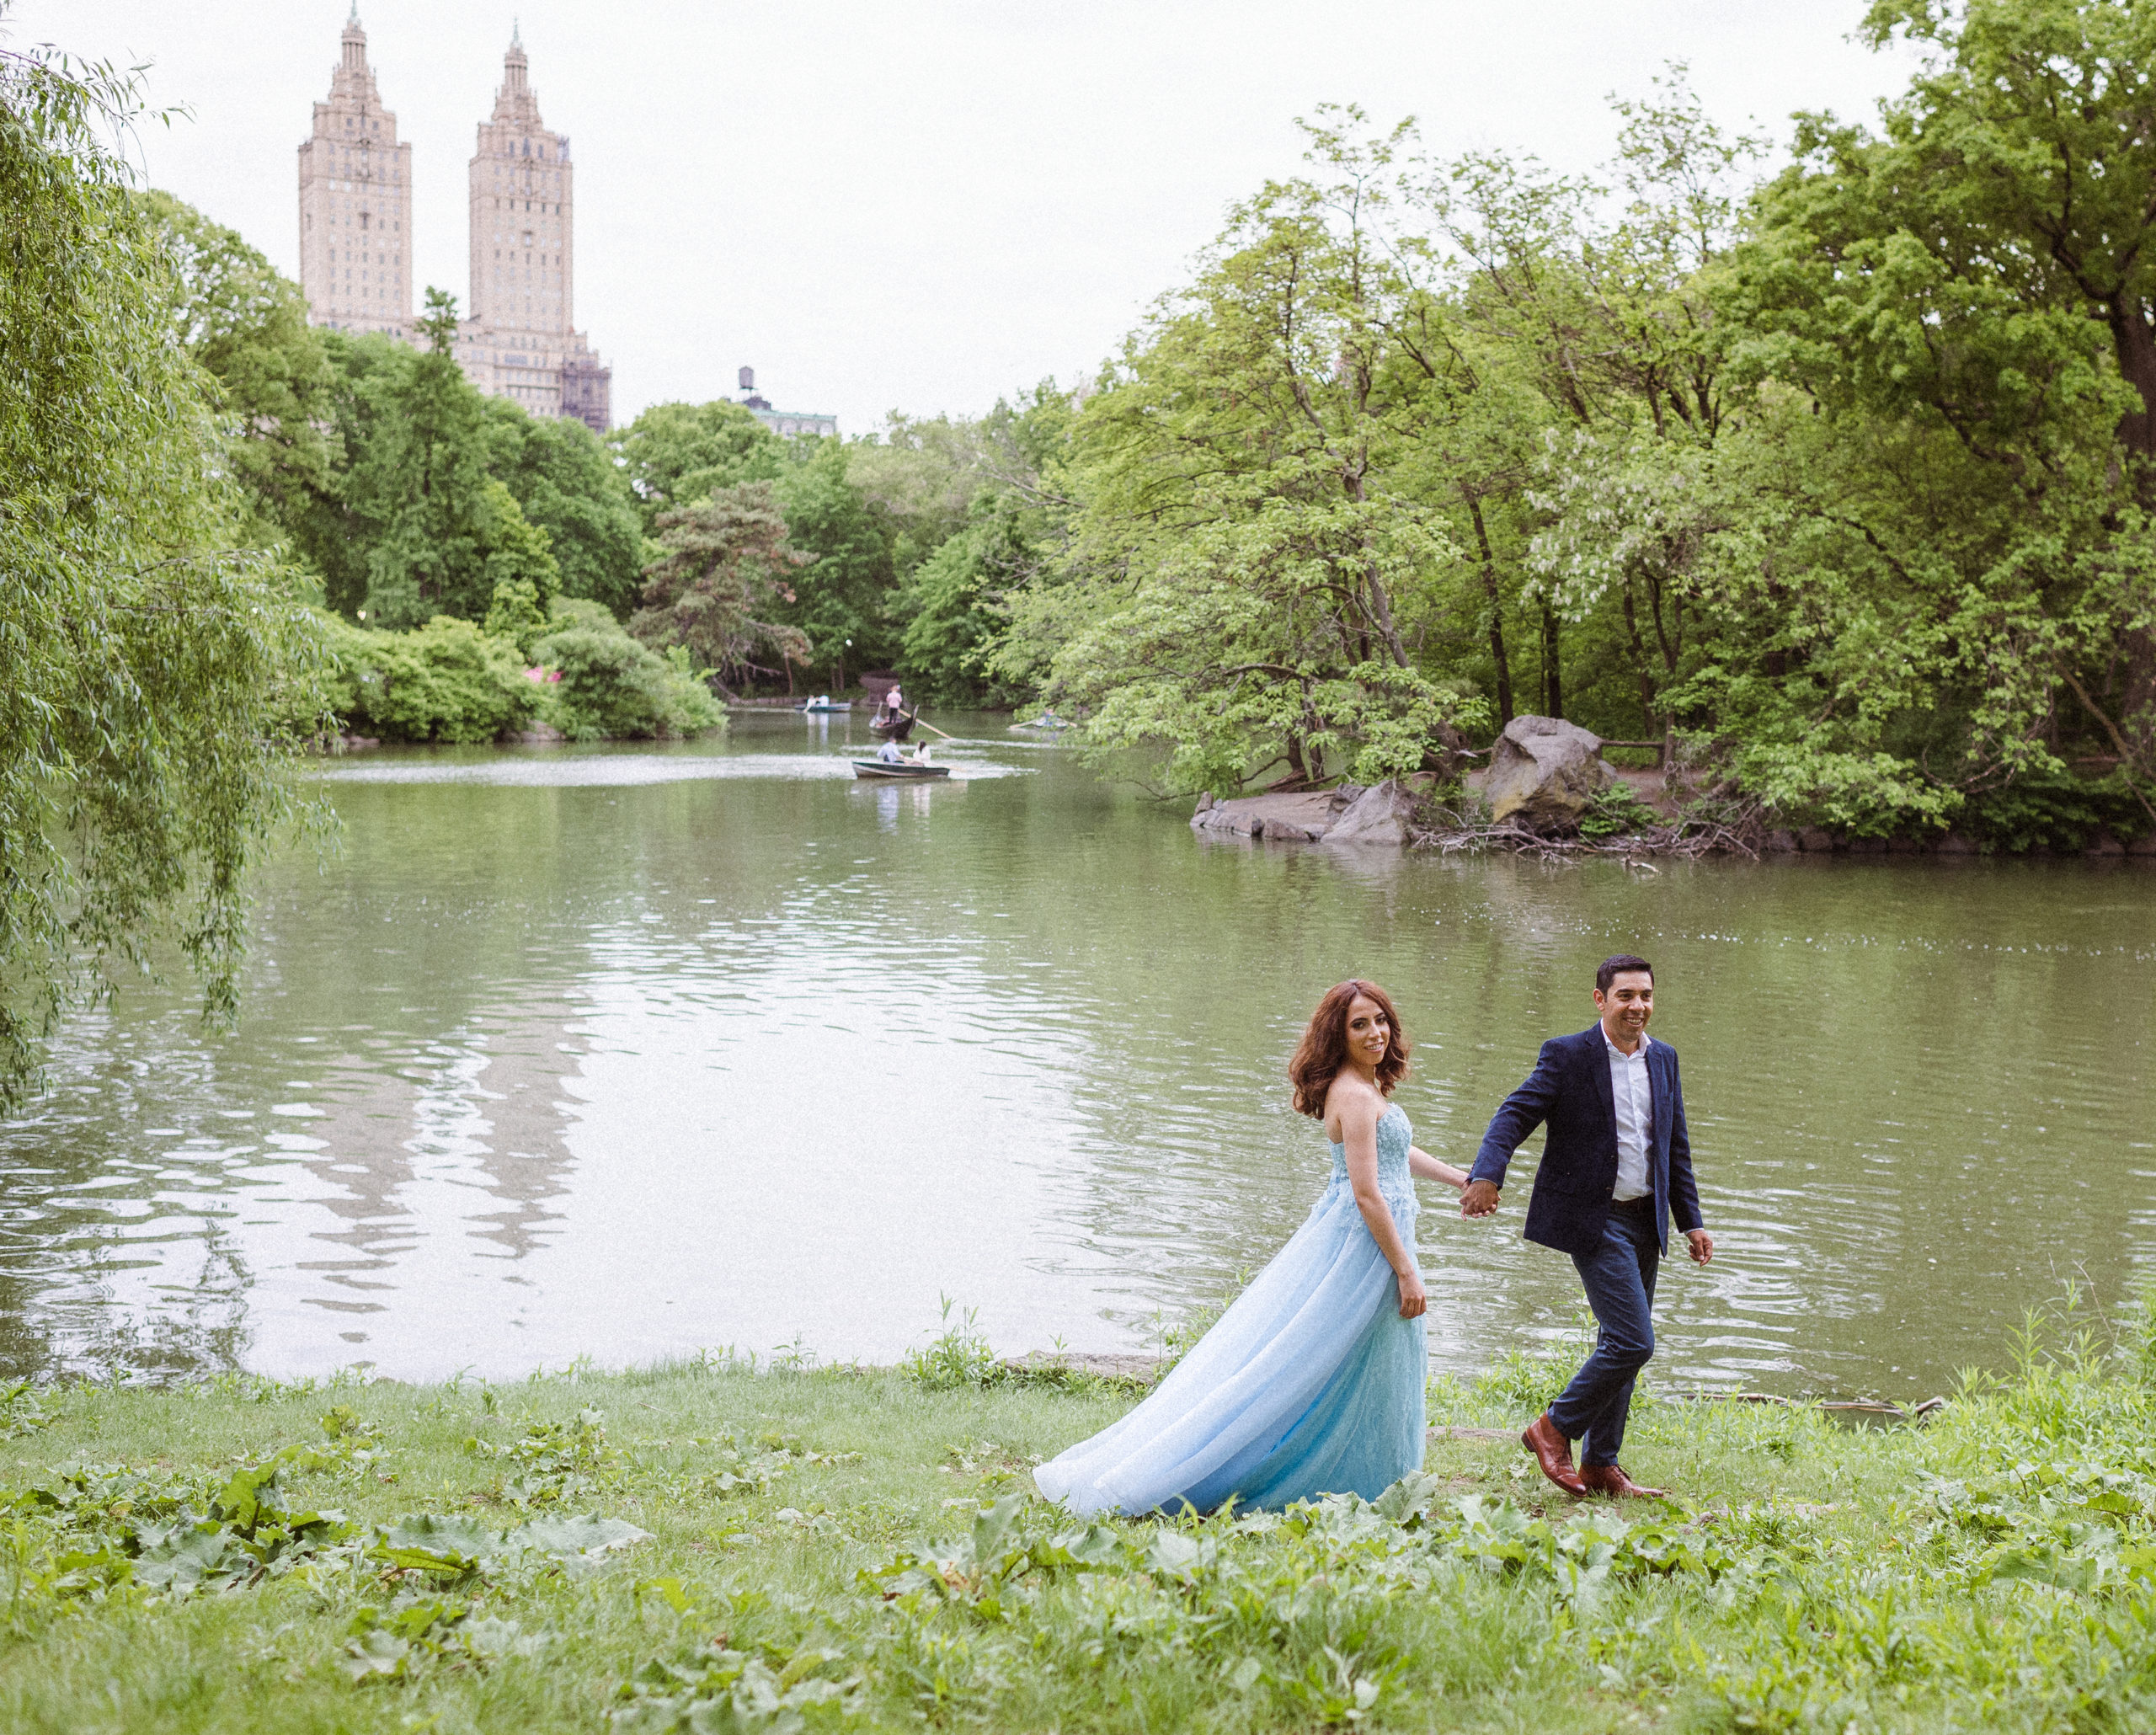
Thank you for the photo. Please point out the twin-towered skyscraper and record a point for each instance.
(519, 340)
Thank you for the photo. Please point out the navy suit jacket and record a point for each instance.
(1569, 1090)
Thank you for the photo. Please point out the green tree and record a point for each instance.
(247, 326)
(568, 485)
(150, 653)
(1257, 584)
(677, 454)
(724, 569)
(1941, 580)
(987, 499)
(954, 617)
(441, 534)
(843, 592)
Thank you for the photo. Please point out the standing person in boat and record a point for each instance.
(1311, 1383)
(894, 703)
(1616, 1166)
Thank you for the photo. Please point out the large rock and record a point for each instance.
(1543, 773)
(1302, 817)
(1379, 816)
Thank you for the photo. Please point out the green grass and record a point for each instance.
(857, 1550)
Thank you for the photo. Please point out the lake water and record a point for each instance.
(626, 1053)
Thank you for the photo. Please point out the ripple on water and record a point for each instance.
(629, 1053)
(630, 770)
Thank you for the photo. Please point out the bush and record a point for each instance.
(2055, 811)
(1618, 812)
(451, 680)
(613, 688)
(444, 681)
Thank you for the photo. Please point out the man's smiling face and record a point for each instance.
(1626, 1007)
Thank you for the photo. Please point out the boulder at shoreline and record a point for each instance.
(1544, 773)
(1348, 814)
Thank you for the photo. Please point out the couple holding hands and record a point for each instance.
(1312, 1382)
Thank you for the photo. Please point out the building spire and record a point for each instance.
(516, 86)
(355, 42)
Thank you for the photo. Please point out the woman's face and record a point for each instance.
(1370, 1032)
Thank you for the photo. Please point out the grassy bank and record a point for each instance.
(708, 1548)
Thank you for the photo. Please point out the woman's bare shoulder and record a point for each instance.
(1353, 1102)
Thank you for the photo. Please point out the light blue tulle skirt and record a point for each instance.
(1310, 1384)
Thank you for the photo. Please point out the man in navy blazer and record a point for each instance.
(1616, 1166)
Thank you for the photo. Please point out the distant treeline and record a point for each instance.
(1834, 482)
(1837, 482)
(404, 495)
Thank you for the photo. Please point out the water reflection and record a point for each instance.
(628, 1052)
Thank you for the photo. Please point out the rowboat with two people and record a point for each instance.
(892, 765)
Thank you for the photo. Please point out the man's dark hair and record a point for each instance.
(1611, 967)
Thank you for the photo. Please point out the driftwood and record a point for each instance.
(1450, 834)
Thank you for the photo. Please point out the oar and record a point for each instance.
(926, 724)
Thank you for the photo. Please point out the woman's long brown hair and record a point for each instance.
(1323, 1050)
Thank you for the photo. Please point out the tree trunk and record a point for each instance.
(2135, 347)
(1553, 680)
(1379, 606)
(1639, 662)
(1497, 617)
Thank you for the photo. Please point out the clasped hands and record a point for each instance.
(1478, 1199)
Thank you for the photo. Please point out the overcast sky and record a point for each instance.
(914, 205)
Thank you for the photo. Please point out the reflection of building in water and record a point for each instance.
(485, 1113)
(525, 1157)
(120, 1255)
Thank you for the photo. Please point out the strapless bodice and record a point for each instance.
(1394, 1137)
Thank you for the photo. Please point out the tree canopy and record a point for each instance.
(1836, 484)
(153, 661)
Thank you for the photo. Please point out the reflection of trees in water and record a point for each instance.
(84, 1208)
(421, 989)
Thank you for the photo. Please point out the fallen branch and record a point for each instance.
(1688, 838)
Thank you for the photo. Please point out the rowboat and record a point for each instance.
(897, 729)
(906, 771)
(820, 705)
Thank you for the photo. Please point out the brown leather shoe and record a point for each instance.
(1554, 1453)
(1610, 1479)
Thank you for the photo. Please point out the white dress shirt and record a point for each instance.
(1633, 1095)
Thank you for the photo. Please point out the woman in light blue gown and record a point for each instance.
(1311, 1383)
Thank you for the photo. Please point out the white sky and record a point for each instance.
(918, 204)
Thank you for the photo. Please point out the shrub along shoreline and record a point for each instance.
(574, 671)
(705, 1546)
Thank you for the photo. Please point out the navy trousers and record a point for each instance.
(1618, 1276)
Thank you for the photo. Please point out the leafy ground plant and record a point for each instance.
(1992, 1567)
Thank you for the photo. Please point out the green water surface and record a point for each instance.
(624, 1053)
